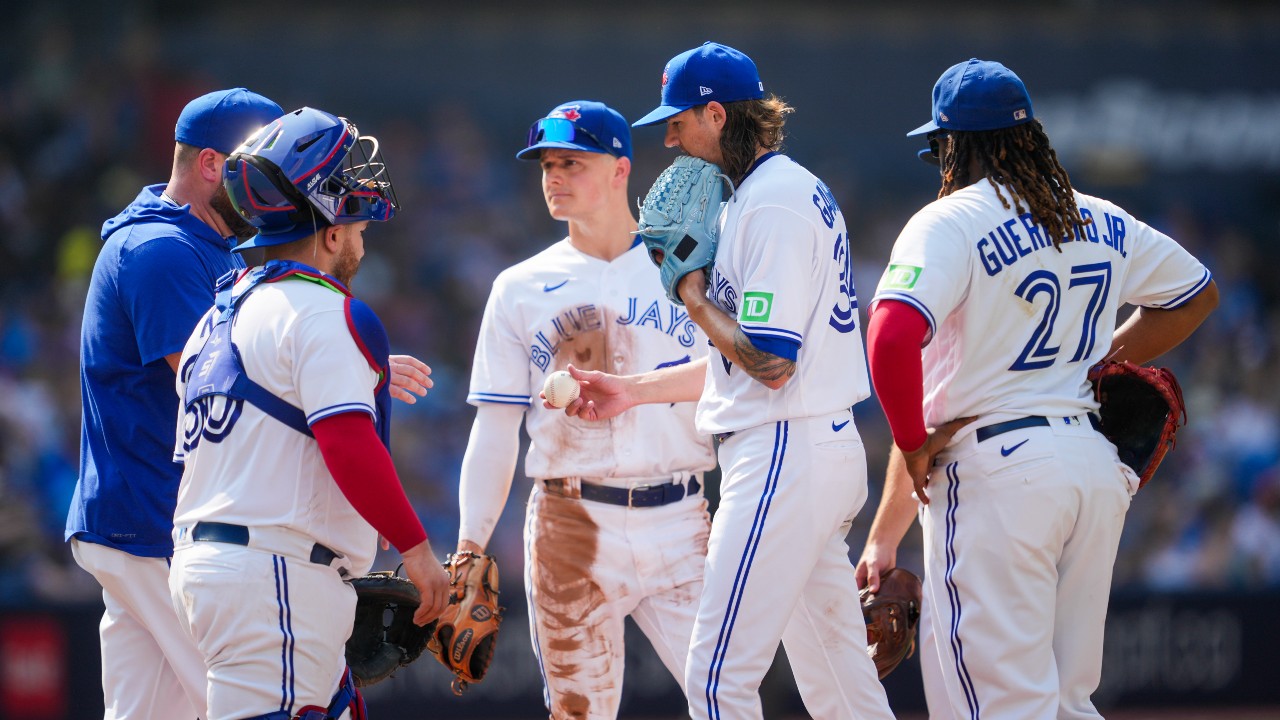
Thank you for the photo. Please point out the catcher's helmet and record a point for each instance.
(305, 171)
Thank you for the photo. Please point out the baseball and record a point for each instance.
(560, 389)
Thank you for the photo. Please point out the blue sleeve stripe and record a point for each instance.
(499, 399)
(913, 302)
(318, 415)
(781, 347)
(1185, 297)
(765, 331)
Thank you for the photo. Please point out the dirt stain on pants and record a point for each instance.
(573, 624)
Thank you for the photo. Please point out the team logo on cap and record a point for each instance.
(568, 112)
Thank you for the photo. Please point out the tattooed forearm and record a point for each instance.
(759, 364)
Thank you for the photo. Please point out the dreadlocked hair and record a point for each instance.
(1020, 159)
(750, 125)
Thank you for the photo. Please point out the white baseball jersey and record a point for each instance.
(783, 269)
(1014, 324)
(246, 468)
(563, 306)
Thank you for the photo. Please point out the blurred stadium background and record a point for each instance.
(1170, 108)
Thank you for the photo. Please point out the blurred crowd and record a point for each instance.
(79, 136)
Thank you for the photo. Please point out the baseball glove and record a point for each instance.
(680, 219)
(376, 648)
(891, 616)
(465, 635)
(1141, 410)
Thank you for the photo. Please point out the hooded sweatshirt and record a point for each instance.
(153, 280)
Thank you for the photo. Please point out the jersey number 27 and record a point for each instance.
(1096, 277)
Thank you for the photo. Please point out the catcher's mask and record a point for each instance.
(305, 171)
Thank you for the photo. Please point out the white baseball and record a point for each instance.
(560, 388)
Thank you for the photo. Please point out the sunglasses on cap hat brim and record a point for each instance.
(562, 130)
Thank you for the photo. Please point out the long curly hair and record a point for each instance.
(1021, 160)
(751, 125)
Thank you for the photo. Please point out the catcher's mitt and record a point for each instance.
(1141, 409)
(680, 219)
(465, 635)
(376, 648)
(891, 616)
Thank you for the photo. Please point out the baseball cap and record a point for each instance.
(579, 125)
(224, 118)
(978, 95)
(698, 76)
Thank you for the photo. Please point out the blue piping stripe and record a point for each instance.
(744, 568)
(748, 329)
(1186, 296)
(953, 594)
(293, 639)
(498, 399)
(337, 410)
(284, 645)
(913, 302)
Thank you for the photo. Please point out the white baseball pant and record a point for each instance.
(150, 668)
(588, 565)
(1020, 538)
(272, 629)
(778, 568)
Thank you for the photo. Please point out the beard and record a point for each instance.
(221, 204)
(346, 264)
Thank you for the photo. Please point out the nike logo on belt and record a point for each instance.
(1009, 451)
(548, 288)
(837, 427)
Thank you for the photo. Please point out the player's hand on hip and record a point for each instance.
(429, 576)
(600, 395)
(919, 462)
(409, 376)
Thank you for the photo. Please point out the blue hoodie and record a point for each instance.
(151, 284)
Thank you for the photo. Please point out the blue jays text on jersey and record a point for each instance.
(587, 317)
(1004, 245)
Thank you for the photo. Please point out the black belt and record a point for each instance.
(239, 535)
(990, 431)
(640, 496)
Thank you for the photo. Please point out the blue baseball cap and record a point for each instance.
(223, 119)
(698, 76)
(978, 95)
(579, 125)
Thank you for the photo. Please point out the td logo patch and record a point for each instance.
(756, 306)
(901, 277)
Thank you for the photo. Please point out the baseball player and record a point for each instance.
(287, 481)
(785, 369)
(152, 280)
(1011, 281)
(616, 523)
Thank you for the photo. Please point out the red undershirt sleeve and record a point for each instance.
(362, 468)
(894, 336)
